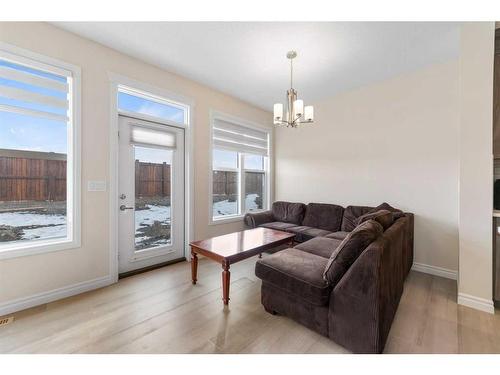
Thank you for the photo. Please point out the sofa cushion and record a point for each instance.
(323, 216)
(254, 219)
(288, 212)
(350, 249)
(385, 206)
(296, 272)
(278, 225)
(322, 246)
(383, 217)
(398, 215)
(306, 233)
(351, 213)
(337, 235)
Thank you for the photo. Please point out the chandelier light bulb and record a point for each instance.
(298, 107)
(278, 112)
(309, 113)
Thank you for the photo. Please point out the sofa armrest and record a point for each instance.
(254, 219)
(367, 296)
(353, 317)
(408, 247)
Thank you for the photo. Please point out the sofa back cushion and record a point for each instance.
(351, 214)
(349, 250)
(323, 216)
(383, 217)
(288, 212)
(385, 206)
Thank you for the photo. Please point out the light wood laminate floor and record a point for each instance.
(162, 312)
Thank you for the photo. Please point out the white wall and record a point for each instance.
(476, 164)
(395, 141)
(23, 277)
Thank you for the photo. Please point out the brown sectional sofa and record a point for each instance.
(345, 277)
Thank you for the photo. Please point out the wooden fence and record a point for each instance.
(152, 179)
(41, 176)
(226, 183)
(26, 175)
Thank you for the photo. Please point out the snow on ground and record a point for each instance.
(231, 208)
(152, 214)
(147, 217)
(51, 226)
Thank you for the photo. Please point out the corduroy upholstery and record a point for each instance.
(349, 249)
(323, 216)
(321, 246)
(364, 302)
(288, 212)
(383, 217)
(304, 233)
(297, 272)
(360, 308)
(279, 225)
(351, 214)
(337, 235)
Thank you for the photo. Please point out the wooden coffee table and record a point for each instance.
(233, 247)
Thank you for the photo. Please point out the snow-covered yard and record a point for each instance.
(152, 226)
(30, 225)
(226, 207)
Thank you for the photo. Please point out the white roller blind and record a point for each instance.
(30, 91)
(234, 137)
(150, 137)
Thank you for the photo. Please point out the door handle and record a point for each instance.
(123, 208)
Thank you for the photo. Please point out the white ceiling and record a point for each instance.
(247, 59)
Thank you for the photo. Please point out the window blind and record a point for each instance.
(150, 137)
(33, 92)
(234, 137)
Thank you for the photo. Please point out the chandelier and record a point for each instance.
(296, 113)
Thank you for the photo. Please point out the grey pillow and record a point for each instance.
(383, 217)
(350, 249)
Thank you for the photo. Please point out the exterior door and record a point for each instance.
(151, 194)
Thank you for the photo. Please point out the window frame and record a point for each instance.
(214, 220)
(73, 175)
(126, 89)
(244, 170)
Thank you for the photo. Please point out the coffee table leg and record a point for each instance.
(226, 277)
(194, 266)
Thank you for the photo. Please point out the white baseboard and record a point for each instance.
(53, 295)
(477, 303)
(436, 271)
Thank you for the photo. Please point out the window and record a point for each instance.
(134, 101)
(239, 169)
(39, 174)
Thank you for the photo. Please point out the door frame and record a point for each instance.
(117, 80)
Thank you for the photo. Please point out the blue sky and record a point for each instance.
(23, 132)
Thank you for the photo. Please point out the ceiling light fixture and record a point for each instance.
(296, 112)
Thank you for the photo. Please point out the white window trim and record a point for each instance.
(117, 81)
(217, 115)
(73, 240)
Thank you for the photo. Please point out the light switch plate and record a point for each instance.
(96, 185)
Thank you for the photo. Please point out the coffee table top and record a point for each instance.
(237, 246)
